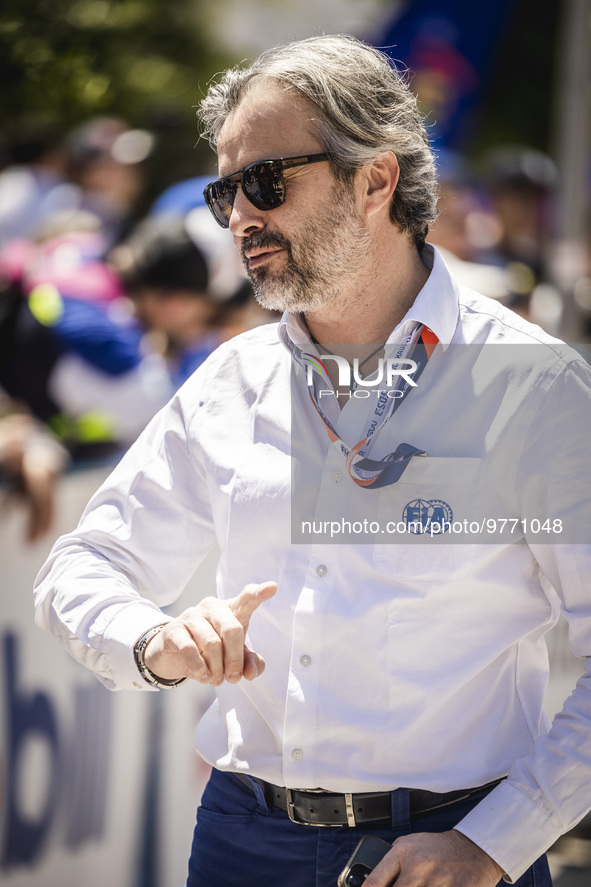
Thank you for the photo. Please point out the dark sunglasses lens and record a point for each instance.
(219, 197)
(263, 184)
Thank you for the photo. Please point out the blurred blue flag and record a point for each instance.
(448, 46)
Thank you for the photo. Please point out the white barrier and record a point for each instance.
(80, 767)
(96, 787)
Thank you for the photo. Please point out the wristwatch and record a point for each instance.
(139, 652)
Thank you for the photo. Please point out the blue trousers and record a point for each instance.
(241, 842)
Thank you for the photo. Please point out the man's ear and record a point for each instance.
(380, 177)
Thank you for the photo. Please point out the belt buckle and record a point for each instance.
(292, 814)
(291, 808)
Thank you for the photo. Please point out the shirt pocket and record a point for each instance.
(431, 520)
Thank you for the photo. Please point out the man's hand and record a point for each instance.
(206, 642)
(35, 460)
(449, 859)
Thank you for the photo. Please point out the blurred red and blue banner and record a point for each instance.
(448, 46)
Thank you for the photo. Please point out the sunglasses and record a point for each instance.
(262, 184)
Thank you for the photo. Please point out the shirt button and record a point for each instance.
(305, 660)
(321, 570)
(337, 476)
(297, 754)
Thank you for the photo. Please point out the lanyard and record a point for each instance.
(366, 472)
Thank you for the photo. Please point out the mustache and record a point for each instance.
(264, 240)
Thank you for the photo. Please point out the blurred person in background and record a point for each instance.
(106, 159)
(167, 276)
(494, 229)
(521, 183)
(188, 287)
(99, 167)
(31, 461)
(464, 229)
(34, 186)
(520, 186)
(70, 348)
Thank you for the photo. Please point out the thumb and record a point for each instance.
(386, 872)
(251, 596)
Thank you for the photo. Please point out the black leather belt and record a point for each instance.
(321, 808)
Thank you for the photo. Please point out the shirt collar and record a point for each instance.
(436, 306)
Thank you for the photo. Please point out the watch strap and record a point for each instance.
(139, 651)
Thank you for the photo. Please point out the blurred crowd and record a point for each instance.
(106, 309)
(496, 227)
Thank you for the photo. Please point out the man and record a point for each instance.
(397, 683)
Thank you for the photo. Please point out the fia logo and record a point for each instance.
(433, 516)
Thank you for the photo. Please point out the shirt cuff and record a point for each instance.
(512, 828)
(119, 638)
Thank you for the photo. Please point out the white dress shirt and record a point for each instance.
(392, 660)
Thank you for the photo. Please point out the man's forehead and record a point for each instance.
(268, 122)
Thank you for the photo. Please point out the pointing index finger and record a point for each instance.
(244, 605)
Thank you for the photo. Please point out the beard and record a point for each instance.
(319, 265)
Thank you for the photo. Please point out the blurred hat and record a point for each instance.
(517, 166)
(179, 199)
(160, 254)
(107, 137)
(189, 252)
(226, 271)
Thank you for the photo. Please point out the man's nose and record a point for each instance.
(245, 218)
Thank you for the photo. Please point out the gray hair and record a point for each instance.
(364, 107)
